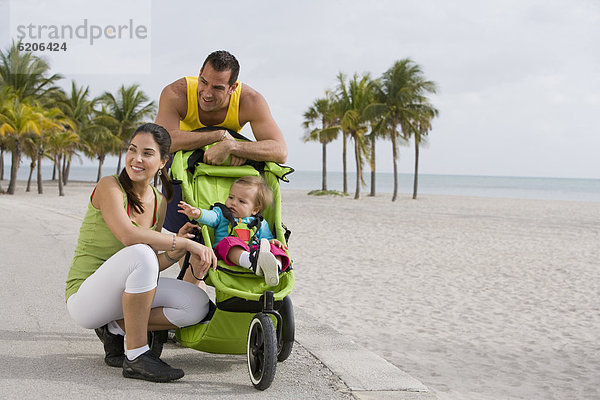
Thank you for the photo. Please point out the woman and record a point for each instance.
(113, 284)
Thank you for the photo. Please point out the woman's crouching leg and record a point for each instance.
(132, 270)
(182, 304)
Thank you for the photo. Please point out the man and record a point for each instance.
(217, 98)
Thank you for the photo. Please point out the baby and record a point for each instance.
(248, 196)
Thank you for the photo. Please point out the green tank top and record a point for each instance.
(96, 243)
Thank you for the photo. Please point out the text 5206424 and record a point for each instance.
(44, 46)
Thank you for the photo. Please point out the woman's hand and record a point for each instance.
(185, 232)
(201, 259)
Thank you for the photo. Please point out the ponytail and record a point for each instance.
(166, 183)
(132, 198)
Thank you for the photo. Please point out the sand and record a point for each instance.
(478, 298)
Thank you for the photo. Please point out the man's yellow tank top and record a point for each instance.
(192, 120)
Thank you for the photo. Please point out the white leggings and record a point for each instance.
(134, 269)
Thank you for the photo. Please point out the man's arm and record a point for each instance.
(270, 144)
(172, 108)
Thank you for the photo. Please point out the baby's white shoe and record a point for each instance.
(266, 264)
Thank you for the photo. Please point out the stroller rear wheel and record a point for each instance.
(262, 351)
(156, 340)
(286, 331)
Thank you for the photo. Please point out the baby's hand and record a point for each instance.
(191, 212)
(277, 243)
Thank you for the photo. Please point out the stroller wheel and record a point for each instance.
(287, 330)
(156, 340)
(262, 351)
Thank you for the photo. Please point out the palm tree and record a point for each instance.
(129, 108)
(60, 144)
(400, 96)
(377, 131)
(354, 97)
(30, 149)
(98, 139)
(3, 146)
(322, 111)
(26, 74)
(18, 121)
(55, 122)
(4, 98)
(28, 79)
(79, 108)
(420, 128)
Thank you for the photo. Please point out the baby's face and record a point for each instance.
(242, 200)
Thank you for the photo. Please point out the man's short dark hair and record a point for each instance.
(222, 60)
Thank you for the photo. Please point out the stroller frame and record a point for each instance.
(249, 316)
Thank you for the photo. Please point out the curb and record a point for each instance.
(367, 375)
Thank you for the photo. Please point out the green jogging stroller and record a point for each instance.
(249, 316)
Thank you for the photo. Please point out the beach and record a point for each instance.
(478, 298)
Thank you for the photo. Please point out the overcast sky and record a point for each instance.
(519, 81)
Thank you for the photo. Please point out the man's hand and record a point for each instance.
(218, 154)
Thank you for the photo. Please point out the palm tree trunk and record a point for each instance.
(119, 164)
(345, 170)
(66, 171)
(2, 163)
(372, 167)
(31, 168)
(39, 172)
(100, 162)
(416, 181)
(54, 171)
(63, 167)
(358, 170)
(14, 168)
(324, 168)
(395, 160)
(1, 167)
(60, 176)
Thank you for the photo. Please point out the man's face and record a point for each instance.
(214, 89)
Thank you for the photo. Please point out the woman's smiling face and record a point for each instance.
(142, 160)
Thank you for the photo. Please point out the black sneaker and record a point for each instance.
(150, 368)
(114, 353)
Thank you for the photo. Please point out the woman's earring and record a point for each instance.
(159, 172)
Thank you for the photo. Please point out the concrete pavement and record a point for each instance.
(45, 354)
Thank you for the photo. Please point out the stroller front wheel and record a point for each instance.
(262, 351)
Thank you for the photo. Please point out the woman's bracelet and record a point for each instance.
(174, 241)
(223, 137)
(169, 259)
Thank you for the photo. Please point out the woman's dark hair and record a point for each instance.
(163, 140)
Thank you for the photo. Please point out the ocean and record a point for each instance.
(456, 185)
